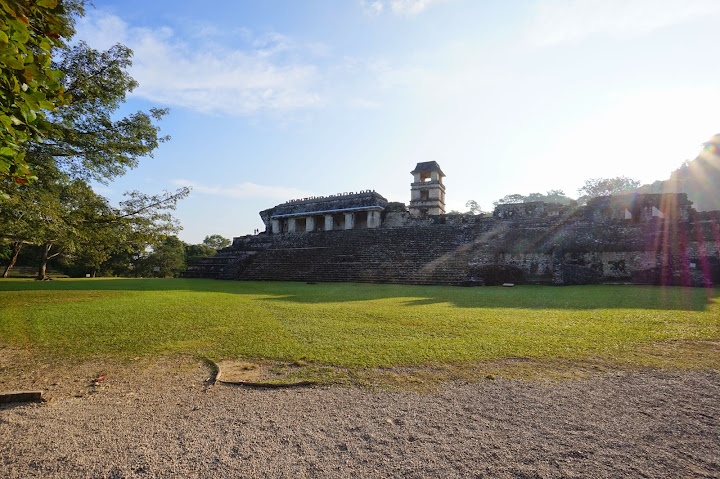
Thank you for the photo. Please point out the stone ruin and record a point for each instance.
(361, 237)
(344, 211)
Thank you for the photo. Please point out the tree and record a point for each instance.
(63, 228)
(58, 214)
(551, 196)
(149, 215)
(194, 252)
(11, 253)
(83, 140)
(595, 187)
(97, 246)
(508, 199)
(126, 231)
(216, 241)
(65, 216)
(473, 207)
(32, 214)
(30, 32)
(168, 257)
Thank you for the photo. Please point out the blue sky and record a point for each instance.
(278, 99)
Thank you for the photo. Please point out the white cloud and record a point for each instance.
(101, 31)
(205, 76)
(558, 21)
(363, 104)
(245, 190)
(376, 7)
(398, 7)
(409, 7)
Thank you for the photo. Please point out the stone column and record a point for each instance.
(275, 227)
(310, 223)
(291, 225)
(328, 223)
(373, 220)
(349, 221)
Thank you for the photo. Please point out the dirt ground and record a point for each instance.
(167, 420)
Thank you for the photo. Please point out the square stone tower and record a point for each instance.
(427, 192)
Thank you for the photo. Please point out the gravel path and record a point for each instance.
(648, 424)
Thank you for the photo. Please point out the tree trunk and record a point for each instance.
(16, 246)
(43, 262)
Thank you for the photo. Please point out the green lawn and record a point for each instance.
(349, 325)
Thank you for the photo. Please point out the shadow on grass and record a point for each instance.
(521, 297)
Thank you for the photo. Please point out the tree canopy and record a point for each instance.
(30, 33)
(552, 196)
(65, 216)
(69, 135)
(473, 207)
(83, 139)
(216, 241)
(166, 259)
(595, 187)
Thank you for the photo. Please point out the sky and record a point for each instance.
(281, 99)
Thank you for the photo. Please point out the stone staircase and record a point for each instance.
(430, 254)
(403, 255)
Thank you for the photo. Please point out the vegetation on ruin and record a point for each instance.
(356, 328)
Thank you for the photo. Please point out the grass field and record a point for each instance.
(358, 326)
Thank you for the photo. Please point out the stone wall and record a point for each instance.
(325, 213)
(572, 247)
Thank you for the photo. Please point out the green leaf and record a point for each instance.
(47, 3)
(14, 63)
(6, 7)
(55, 74)
(30, 101)
(21, 36)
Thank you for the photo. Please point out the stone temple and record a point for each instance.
(634, 238)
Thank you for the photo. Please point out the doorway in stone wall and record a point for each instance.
(361, 218)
